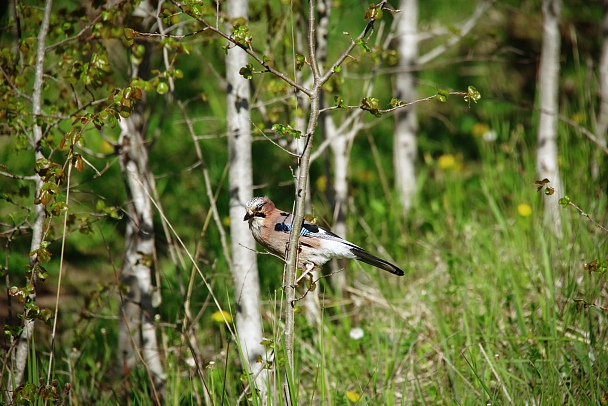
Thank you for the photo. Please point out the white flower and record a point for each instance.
(356, 333)
(489, 136)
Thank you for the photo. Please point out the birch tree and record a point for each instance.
(548, 83)
(38, 229)
(244, 265)
(406, 127)
(66, 94)
(602, 119)
(410, 62)
(137, 330)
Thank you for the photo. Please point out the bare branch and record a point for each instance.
(20, 177)
(17, 91)
(465, 28)
(66, 40)
(274, 142)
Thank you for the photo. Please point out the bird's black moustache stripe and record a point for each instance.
(259, 214)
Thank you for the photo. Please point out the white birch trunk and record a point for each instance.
(405, 145)
(340, 152)
(602, 119)
(22, 350)
(244, 262)
(136, 329)
(548, 81)
(136, 326)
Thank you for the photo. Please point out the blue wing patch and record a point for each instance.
(282, 227)
(307, 229)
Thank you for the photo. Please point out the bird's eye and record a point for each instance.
(259, 208)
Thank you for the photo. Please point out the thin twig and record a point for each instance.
(20, 177)
(314, 282)
(66, 40)
(208, 188)
(17, 91)
(598, 225)
(272, 141)
(502, 385)
(465, 28)
(60, 278)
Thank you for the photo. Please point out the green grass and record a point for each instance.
(492, 308)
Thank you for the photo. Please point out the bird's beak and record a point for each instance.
(248, 216)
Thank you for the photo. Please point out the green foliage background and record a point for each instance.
(492, 308)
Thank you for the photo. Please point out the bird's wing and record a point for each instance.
(335, 246)
(310, 230)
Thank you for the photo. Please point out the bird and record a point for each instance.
(272, 227)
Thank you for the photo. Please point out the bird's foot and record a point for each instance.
(307, 272)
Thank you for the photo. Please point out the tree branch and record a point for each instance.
(465, 28)
(39, 209)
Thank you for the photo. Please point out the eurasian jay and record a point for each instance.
(271, 228)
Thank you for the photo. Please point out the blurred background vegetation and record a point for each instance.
(492, 308)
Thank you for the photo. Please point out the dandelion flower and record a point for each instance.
(446, 162)
(220, 315)
(524, 209)
(353, 396)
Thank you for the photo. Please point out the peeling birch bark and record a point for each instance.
(244, 262)
(548, 88)
(23, 344)
(602, 119)
(405, 144)
(137, 332)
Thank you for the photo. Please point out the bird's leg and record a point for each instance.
(308, 267)
(311, 288)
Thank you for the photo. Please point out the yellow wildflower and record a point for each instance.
(353, 396)
(220, 315)
(446, 162)
(524, 209)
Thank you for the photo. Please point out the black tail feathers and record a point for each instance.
(377, 262)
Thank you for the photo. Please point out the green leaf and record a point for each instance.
(442, 95)
(300, 61)
(247, 71)
(286, 130)
(473, 95)
(162, 88)
(373, 12)
(371, 104)
(363, 45)
(241, 34)
(339, 102)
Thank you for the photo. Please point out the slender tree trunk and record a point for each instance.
(548, 81)
(137, 331)
(405, 146)
(339, 149)
(21, 353)
(338, 193)
(602, 119)
(244, 265)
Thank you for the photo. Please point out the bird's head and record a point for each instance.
(258, 207)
